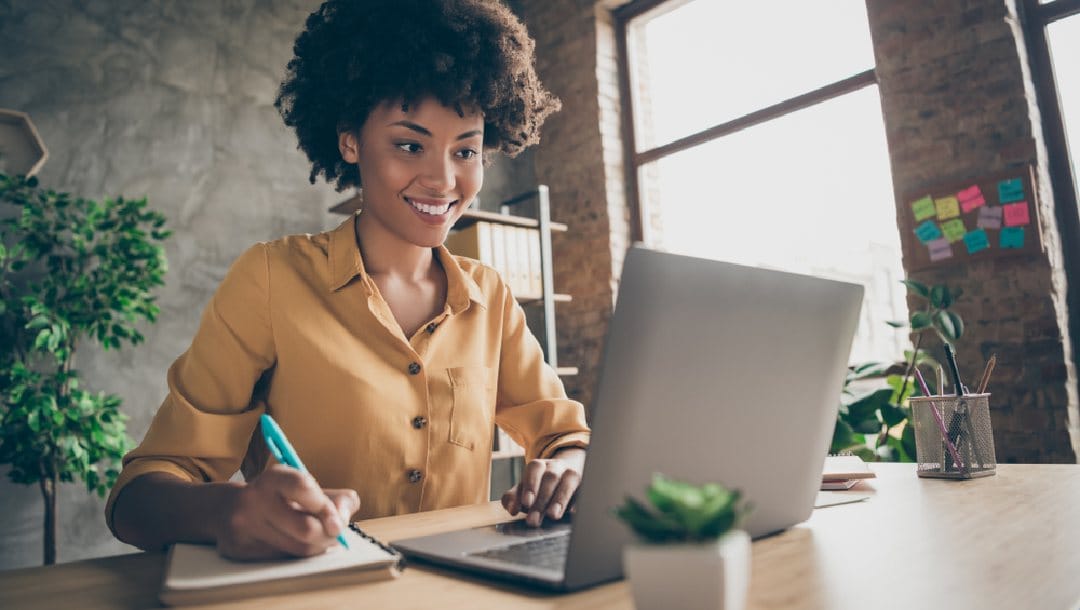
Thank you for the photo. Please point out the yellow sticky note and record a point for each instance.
(947, 207)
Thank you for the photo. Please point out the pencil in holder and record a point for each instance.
(953, 437)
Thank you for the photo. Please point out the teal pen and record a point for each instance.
(284, 453)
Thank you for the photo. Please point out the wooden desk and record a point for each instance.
(1008, 541)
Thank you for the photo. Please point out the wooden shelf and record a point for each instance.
(471, 216)
(533, 299)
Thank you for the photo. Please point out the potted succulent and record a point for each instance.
(690, 553)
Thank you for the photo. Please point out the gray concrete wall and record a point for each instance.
(171, 99)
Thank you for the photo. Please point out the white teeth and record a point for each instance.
(434, 210)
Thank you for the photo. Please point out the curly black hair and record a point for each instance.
(356, 54)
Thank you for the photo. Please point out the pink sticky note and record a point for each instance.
(971, 192)
(971, 198)
(1016, 214)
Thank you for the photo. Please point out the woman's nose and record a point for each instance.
(438, 174)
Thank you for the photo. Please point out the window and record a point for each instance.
(757, 138)
(1052, 32)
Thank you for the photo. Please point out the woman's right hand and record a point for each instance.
(283, 512)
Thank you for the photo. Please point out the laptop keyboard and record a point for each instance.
(547, 553)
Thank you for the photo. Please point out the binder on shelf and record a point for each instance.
(473, 241)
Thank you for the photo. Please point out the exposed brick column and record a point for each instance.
(958, 102)
(580, 159)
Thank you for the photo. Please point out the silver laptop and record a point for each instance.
(712, 372)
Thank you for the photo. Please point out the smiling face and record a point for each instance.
(420, 167)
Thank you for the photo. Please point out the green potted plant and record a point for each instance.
(71, 270)
(874, 423)
(690, 551)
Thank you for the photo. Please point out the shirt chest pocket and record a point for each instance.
(472, 414)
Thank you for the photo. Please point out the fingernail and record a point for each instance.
(555, 510)
(527, 499)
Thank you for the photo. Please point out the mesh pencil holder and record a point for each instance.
(966, 448)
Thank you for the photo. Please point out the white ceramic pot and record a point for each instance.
(713, 575)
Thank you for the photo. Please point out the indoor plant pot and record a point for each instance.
(712, 574)
(690, 553)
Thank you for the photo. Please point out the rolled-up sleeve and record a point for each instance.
(204, 426)
(532, 406)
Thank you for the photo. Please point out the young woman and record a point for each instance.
(385, 359)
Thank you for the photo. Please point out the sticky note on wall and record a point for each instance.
(976, 240)
(971, 198)
(1010, 190)
(954, 230)
(1012, 237)
(990, 217)
(923, 208)
(940, 249)
(947, 207)
(1016, 214)
(927, 231)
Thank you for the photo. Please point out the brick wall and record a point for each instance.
(958, 102)
(580, 159)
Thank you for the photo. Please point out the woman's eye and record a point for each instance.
(409, 147)
(468, 153)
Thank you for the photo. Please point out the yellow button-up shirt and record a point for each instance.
(299, 330)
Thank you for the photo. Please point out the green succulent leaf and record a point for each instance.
(682, 511)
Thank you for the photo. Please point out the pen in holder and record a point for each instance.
(967, 422)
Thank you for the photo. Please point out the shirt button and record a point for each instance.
(419, 422)
(415, 476)
(414, 368)
(431, 328)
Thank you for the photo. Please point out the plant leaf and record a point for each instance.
(918, 288)
(946, 325)
(940, 297)
(920, 320)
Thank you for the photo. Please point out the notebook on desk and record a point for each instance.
(196, 574)
(712, 372)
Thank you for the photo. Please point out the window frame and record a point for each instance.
(634, 160)
(1034, 19)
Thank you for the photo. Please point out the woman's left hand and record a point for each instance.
(547, 486)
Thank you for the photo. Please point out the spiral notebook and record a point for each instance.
(196, 574)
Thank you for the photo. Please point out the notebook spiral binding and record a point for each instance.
(401, 563)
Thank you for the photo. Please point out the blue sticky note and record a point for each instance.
(1011, 190)
(928, 231)
(976, 240)
(1012, 237)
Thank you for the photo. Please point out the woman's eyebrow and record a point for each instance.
(420, 129)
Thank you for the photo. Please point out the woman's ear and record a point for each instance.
(349, 146)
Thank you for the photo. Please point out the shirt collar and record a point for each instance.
(346, 264)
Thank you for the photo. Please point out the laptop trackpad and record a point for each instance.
(521, 529)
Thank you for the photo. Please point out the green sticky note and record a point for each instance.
(924, 208)
(976, 241)
(1012, 237)
(927, 231)
(954, 230)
